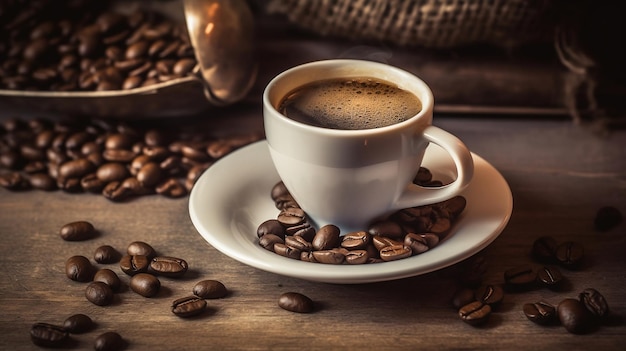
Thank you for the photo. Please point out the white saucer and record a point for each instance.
(232, 197)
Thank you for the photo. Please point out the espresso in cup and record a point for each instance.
(350, 104)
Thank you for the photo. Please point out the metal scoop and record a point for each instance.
(222, 34)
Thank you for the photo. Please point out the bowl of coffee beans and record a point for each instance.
(109, 58)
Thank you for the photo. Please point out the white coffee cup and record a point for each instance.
(351, 177)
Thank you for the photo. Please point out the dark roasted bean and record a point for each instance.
(387, 229)
(109, 341)
(491, 295)
(357, 257)
(48, 335)
(475, 313)
(291, 216)
(540, 312)
(462, 297)
(267, 241)
(169, 266)
(594, 302)
(520, 277)
(332, 256)
(271, 226)
(145, 284)
(395, 252)
(141, 248)
(172, 188)
(544, 249)
(210, 289)
(417, 243)
(296, 302)
(355, 240)
(549, 276)
(298, 242)
(570, 254)
(106, 254)
(108, 277)
(134, 264)
(99, 293)
(78, 324)
(79, 268)
(287, 251)
(188, 306)
(77, 231)
(574, 317)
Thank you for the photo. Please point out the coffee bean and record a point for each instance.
(491, 295)
(326, 238)
(78, 268)
(475, 313)
(108, 277)
(357, 257)
(268, 241)
(544, 249)
(332, 256)
(42, 181)
(540, 312)
(78, 324)
(395, 252)
(574, 316)
(77, 231)
(109, 341)
(417, 243)
(106, 254)
(298, 243)
(296, 302)
(520, 277)
(112, 171)
(189, 306)
(76, 168)
(48, 335)
(287, 251)
(355, 240)
(210, 289)
(381, 242)
(607, 218)
(550, 276)
(455, 205)
(169, 266)
(171, 188)
(99, 293)
(305, 230)
(423, 176)
(594, 302)
(141, 248)
(134, 264)
(271, 226)
(291, 216)
(570, 254)
(279, 190)
(145, 284)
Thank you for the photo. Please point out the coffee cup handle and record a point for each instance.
(416, 195)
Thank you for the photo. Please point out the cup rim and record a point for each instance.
(426, 96)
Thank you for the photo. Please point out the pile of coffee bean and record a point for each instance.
(87, 46)
(57, 336)
(106, 157)
(405, 233)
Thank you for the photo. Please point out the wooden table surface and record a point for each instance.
(559, 173)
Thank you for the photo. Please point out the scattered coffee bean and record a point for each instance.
(145, 284)
(475, 313)
(134, 264)
(141, 248)
(189, 306)
(491, 295)
(296, 302)
(109, 341)
(106, 254)
(77, 231)
(540, 312)
(574, 316)
(99, 293)
(607, 218)
(78, 268)
(48, 335)
(594, 302)
(108, 277)
(570, 254)
(78, 324)
(169, 266)
(550, 276)
(210, 289)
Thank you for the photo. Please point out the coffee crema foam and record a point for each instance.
(350, 103)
